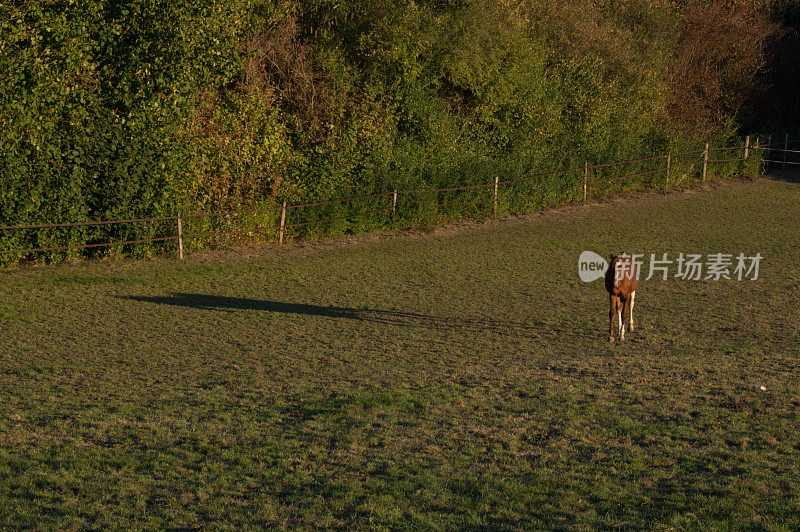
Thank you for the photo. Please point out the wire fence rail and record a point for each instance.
(771, 154)
(782, 153)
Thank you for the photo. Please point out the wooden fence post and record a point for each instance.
(180, 238)
(763, 164)
(705, 161)
(747, 146)
(585, 180)
(669, 162)
(769, 152)
(494, 209)
(283, 223)
(785, 148)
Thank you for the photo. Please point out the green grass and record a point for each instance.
(455, 379)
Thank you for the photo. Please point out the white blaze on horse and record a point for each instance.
(622, 279)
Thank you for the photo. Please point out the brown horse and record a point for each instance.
(622, 279)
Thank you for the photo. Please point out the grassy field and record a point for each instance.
(461, 378)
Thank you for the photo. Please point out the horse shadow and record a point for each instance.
(381, 316)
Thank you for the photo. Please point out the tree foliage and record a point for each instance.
(125, 108)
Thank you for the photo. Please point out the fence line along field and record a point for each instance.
(422, 207)
(461, 378)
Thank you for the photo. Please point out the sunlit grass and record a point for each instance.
(455, 379)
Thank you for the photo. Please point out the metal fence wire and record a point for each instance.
(771, 154)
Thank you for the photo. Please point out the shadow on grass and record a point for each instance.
(791, 175)
(388, 317)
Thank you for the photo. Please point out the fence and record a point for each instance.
(591, 178)
(781, 159)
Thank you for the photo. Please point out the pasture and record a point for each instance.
(460, 378)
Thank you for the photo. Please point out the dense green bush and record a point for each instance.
(139, 108)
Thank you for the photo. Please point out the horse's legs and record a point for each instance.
(624, 304)
(614, 301)
(633, 300)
